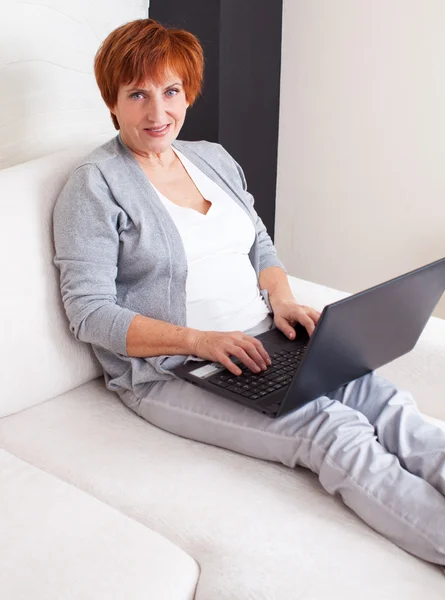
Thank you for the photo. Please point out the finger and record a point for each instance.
(260, 349)
(301, 316)
(307, 322)
(245, 359)
(283, 325)
(258, 352)
(313, 314)
(225, 361)
(251, 350)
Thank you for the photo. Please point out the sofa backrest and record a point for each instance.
(49, 98)
(39, 358)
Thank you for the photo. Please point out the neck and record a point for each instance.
(153, 160)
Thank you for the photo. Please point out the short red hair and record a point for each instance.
(144, 49)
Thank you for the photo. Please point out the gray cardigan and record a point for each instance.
(120, 254)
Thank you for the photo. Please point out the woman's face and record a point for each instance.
(151, 116)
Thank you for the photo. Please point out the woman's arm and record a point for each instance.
(86, 238)
(151, 337)
(274, 280)
(287, 312)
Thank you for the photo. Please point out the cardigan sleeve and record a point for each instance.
(267, 253)
(86, 236)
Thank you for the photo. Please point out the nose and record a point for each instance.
(156, 110)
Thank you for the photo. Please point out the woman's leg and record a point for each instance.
(328, 437)
(399, 426)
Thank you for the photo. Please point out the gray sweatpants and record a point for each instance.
(367, 442)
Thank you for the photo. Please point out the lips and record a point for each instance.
(158, 132)
(158, 129)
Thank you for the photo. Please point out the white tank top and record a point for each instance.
(222, 289)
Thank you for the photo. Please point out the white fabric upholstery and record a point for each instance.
(57, 542)
(39, 357)
(50, 100)
(256, 529)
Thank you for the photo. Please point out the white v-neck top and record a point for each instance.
(222, 289)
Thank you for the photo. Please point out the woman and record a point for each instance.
(162, 257)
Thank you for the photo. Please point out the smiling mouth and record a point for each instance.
(157, 129)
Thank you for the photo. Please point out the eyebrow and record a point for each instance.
(144, 90)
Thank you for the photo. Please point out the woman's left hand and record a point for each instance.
(288, 313)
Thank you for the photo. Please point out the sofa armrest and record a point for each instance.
(421, 371)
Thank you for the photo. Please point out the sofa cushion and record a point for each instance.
(39, 358)
(58, 542)
(257, 529)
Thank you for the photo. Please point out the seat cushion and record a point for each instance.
(257, 529)
(58, 542)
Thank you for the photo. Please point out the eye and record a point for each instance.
(136, 95)
(172, 92)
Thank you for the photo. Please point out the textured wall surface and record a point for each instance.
(48, 95)
(361, 178)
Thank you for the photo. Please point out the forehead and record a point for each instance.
(148, 83)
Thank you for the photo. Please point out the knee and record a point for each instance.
(340, 426)
(371, 394)
(388, 392)
(339, 439)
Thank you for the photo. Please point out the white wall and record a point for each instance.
(361, 168)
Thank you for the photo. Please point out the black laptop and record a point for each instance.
(353, 337)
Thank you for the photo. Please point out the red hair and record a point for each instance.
(142, 50)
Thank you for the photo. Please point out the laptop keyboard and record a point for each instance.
(257, 385)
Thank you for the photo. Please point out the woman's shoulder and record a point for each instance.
(110, 150)
(87, 180)
(93, 170)
(211, 153)
(200, 147)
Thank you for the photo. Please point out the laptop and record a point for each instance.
(353, 337)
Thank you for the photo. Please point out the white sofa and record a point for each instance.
(95, 503)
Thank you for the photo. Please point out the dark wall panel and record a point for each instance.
(202, 19)
(250, 47)
(239, 107)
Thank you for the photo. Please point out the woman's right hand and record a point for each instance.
(220, 346)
